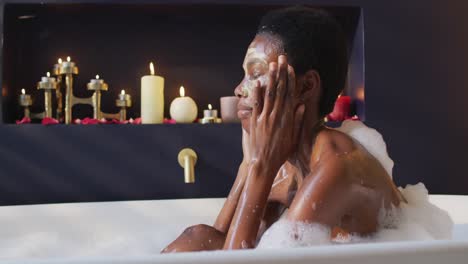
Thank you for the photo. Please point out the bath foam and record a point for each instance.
(370, 139)
(416, 220)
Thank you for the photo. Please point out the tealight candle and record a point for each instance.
(25, 99)
(183, 109)
(152, 98)
(47, 78)
(210, 113)
(210, 116)
(97, 84)
(68, 67)
(47, 82)
(97, 80)
(123, 101)
(123, 96)
(68, 63)
(57, 67)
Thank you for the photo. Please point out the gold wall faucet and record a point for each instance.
(188, 159)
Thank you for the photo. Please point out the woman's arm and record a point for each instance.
(246, 221)
(203, 237)
(226, 214)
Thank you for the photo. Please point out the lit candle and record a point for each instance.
(210, 113)
(152, 98)
(57, 67)
(68, 63)
(124, 96)
(47, 83)
(25, 99)
(47, 78)
(124, 100)
(67, 67)
(97, 80)
(183, 109)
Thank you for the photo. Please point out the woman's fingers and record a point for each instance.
(282, 83)
(257, 101)
(293, 91)
(270, 92)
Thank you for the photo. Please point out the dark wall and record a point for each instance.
(416, 85)
(416, 63)
(198, 46)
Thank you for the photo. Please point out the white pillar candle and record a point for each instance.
(183, 109)
(152, 98)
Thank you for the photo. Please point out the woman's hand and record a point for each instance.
(276, 121)
(274, 128)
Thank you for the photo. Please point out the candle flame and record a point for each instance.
(152, 68)
(60, 61)
(182, 91)
(97, 76)
(48, 74)
(68, 59)
(209, 106)
(122, 92)
(23, 91)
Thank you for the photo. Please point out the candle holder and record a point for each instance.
(124, 101)
(69, 69)
(210, 116)
(25, 101)
(58, 91)
(47, 84)
(66, 70)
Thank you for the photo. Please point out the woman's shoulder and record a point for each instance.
(331, 140)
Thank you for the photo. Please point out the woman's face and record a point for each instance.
(262, 51)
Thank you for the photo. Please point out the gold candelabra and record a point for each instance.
(66, 70)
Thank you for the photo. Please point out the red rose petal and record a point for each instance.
(137, 121)
(47, 121)
(89, 121)
(169, 121)
(25, 120)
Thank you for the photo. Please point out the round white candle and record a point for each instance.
(183, 109)
(152, 98)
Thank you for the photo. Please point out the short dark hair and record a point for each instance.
(313, 40)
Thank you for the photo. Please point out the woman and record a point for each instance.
(295, 68)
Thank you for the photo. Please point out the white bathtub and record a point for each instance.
(108, 232)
